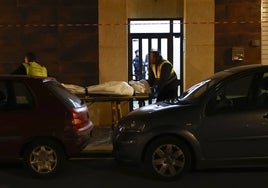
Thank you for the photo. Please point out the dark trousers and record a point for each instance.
(169, 92)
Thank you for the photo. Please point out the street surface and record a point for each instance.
(104, 172)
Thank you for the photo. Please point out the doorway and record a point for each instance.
(164, 35)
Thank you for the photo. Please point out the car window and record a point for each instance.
(262, 93)
(63, 94)
(3, 95)
(23, 97)
(15, 96)
(200, 88)
(197, 90)
(233, 95)
(239, 88)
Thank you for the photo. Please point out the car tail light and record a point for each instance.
(79, 119)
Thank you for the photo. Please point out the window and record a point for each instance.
(15, 96)
(234, 95)
(68, 98)
(23, 97)
(3, 95)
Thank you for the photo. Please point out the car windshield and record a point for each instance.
(201, 87)
(196, 90)
(66, 96)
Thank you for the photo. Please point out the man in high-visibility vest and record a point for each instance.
(30, 67)
(162, 77)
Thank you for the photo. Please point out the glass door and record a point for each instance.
(162, 35)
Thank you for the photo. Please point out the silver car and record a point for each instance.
(221, 121)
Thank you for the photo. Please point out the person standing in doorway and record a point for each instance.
(162, 77)
(139, 68)
(136, 65)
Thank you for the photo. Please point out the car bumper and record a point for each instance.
(76, 143)
(128, 148)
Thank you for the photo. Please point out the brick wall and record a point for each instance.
(237, 25)
(62, 33)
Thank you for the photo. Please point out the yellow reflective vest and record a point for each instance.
(157, 69)
(35, 69)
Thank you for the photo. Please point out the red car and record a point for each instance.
(42, 123)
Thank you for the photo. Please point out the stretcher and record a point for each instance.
(115, 101)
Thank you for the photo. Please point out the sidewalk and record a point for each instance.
(101, 141)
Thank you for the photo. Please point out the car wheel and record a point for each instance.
(167, 158)
(43, 158)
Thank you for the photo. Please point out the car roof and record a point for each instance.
(239, 70)
(246, 68)
(25, 77)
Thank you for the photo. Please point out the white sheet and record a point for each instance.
(141, 86)
(112, 88)
(76, 89)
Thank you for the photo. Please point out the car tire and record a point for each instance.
(167, 158)
(43, 158)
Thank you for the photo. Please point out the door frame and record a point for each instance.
(169, 36)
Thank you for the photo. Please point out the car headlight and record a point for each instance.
(132, 126)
